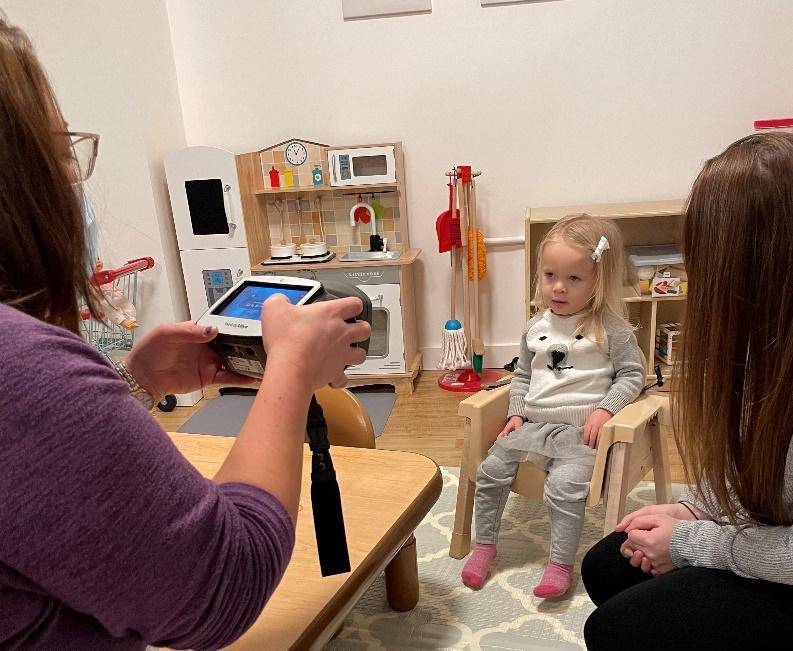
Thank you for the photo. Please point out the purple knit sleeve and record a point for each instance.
(110, 519)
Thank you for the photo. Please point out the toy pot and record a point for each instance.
(314, 249)
(282, 251)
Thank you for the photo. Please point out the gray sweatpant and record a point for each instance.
(566, 490)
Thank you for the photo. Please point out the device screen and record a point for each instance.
(247, 304)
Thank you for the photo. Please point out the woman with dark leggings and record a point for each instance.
(715, 570)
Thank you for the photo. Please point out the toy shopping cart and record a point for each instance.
(116, 329)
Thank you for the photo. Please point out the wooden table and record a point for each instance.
(385, 495)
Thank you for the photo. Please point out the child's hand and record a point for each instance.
(512, 424)
(593, 426)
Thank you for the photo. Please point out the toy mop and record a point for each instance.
(465, 377)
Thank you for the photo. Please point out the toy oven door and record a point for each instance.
(386, 348)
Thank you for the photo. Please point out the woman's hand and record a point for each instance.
(632, 522)
(313, 343)
(512, 424)
(677, 511)
(175, 358)
(648, 543)
(593, 425)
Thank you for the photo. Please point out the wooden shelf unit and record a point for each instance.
(324, 189)
(648, 222)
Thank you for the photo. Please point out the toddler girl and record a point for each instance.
(579, 365)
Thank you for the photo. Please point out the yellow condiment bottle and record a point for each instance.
(289, 178)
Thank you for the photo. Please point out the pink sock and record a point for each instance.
(478, 565)
(556, 580)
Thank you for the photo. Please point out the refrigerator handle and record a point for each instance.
(229, 212)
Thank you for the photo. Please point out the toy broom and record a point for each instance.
(476, 271)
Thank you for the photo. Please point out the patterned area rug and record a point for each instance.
(504, 615)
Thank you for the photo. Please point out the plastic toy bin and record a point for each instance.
(657, 270)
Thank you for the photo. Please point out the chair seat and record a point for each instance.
(631, 444)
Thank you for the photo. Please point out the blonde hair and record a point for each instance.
(584, 231)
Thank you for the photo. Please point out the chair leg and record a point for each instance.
(402, 578)
(616, 485)
(661, 472)
(463, 511)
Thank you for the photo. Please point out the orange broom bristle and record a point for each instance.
(481, 258)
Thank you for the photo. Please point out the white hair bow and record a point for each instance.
(602, 246)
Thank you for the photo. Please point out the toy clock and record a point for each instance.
(296, 153)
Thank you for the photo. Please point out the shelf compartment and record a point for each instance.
(326, 189)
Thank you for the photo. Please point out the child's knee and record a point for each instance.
(493, 469)
(561, 487)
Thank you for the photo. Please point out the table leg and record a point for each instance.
(402, 578)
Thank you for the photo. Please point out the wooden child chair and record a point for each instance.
(347, 419)
(631, 444)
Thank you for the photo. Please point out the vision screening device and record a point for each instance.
(237, 316)
(239, 342)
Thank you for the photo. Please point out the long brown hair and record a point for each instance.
(585, 231)
(732, 404)
(43, 257)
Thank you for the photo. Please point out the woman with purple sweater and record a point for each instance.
(109, 538)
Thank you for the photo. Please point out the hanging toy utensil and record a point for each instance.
(361, 211)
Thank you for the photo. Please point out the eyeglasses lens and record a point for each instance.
(84, 152)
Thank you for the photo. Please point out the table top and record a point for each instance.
(385, 495)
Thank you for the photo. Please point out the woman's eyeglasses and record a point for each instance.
(83, 148)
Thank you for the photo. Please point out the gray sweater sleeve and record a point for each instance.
(757, 552)
(754, 551)
(522, 376)
(629, 372)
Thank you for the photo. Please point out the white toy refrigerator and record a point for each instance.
(210, 229)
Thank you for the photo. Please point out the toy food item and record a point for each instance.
(671, 281)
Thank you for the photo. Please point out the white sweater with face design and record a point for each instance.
(562, 376)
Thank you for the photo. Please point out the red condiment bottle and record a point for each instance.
(275, 178)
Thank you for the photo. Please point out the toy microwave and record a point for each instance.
(362, 165)
(237, 316)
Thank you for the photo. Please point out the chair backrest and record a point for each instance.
(348, 421)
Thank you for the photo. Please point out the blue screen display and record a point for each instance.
(248, 303)
(217, 277)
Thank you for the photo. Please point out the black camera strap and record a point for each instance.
(325, 497)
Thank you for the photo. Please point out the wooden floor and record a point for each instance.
(425, 422)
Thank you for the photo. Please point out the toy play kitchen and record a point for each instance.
(314, 211)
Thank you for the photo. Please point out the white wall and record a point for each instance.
(557, 102)
(565, 102)
(112, 68)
